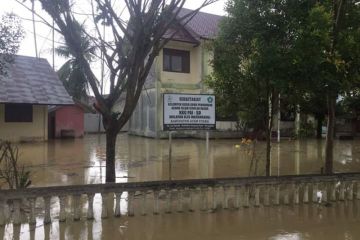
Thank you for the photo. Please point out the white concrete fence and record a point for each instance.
(176, 196)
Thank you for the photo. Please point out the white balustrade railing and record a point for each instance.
(176, 196)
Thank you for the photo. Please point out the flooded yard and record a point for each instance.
(79, 161)
(64, 162)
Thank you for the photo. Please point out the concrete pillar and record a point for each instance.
(286, 195)
(143, 203)
(306, 193)
(350, 191)
(2, 213)
(156, 202)
(296, 198)
(266, 195)
(247, 196)
(180, 204)
(237, 197)
(358, 190)
(168, 201)
(325, 194)
(47, 217)
(203, 198)
(342, 191)
(131, 199)
(117, 204)
(315, 190)
(90, 210)
(104, 206)
(192, 193)
(214, 198)
(333, 191)
(32, 213)
(225, 200)
(62, 214)
(257, 196)
(277, 194)
(17, 211)
(77, 207)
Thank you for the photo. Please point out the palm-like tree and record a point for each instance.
(70, 73)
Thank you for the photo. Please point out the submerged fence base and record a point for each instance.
(174, 196)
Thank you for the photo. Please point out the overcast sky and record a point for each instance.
(44, 34)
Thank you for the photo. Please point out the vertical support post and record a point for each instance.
(267, 196)
(168, 201)
(306, 193)
(225, 200)
(277, 194)
(296, 198)
(207, 153)
(257, 196)
(117, 204)
(342, 191)
(192, 193)
(333, 191)
(77, 207)
(286, 195)
(214, 198)
(351, 191)
(17, 211)
(180, 204)
(104, 207)
(170, 155)
(32, 217)
(203, 196)
(237, 197)
(358, 190)
(90, 210)
(325, 194)
(156, 202)
(47, 217)
(2, 213)
(314, 194)
(247, 196)
(62, 215)
(143, 203)
(131, 199)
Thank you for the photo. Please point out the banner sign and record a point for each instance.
(189, 111)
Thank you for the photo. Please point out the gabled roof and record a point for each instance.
(32, 80)
(202, 25)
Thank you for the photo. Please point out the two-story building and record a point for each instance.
(181, 67)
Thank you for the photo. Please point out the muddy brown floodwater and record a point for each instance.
(64, 162)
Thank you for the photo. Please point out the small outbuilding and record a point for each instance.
(28, 87)
(66, 121)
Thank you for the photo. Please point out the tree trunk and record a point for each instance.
(110, 155)
(320, 120)
(329, 155)
(268, 136)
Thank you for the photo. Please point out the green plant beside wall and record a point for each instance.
(12, 173)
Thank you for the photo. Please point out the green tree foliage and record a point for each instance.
(11, 34)
(328, 58)
(70, 73)
(308, 51)
(253, 56)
